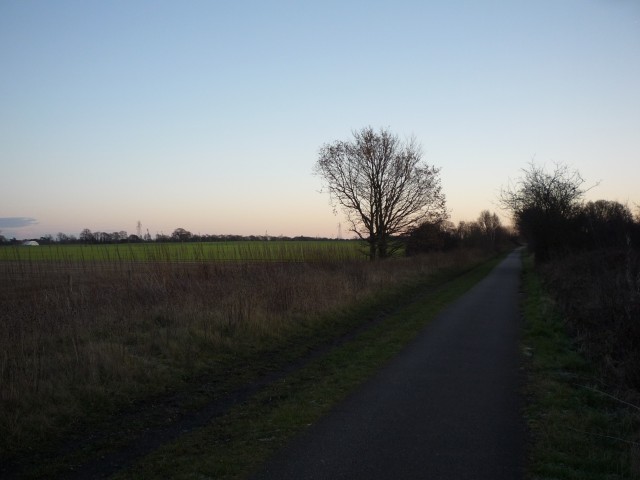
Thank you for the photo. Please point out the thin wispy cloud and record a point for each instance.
(17, 222)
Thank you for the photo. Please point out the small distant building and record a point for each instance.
(30, 243)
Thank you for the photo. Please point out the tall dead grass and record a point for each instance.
(599, 291)
(79, 337)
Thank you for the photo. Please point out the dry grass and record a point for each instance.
(599, 292)
(84, 337)
(583, 420)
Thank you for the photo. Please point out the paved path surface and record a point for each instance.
(448, 407)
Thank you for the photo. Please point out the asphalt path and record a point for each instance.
(447, 407)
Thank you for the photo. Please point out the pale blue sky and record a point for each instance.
(208, 115)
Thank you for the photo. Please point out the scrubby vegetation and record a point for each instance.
(583, 422)
(587, 256)
(598, 292)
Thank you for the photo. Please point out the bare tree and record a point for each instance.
(543, 205)
(382, 186)
(86, 236)
(490, 225)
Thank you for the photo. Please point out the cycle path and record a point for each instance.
(447, 407)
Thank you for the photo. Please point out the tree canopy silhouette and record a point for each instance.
(543, 205)
(382, 185)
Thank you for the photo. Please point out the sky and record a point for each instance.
(209, 115)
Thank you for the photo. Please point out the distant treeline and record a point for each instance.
(486, 232)
(178, 235)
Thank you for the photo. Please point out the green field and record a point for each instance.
(234, 251)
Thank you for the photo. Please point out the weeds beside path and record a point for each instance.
(579, 429)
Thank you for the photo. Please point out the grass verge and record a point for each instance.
(578, 428)
(235, 444)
